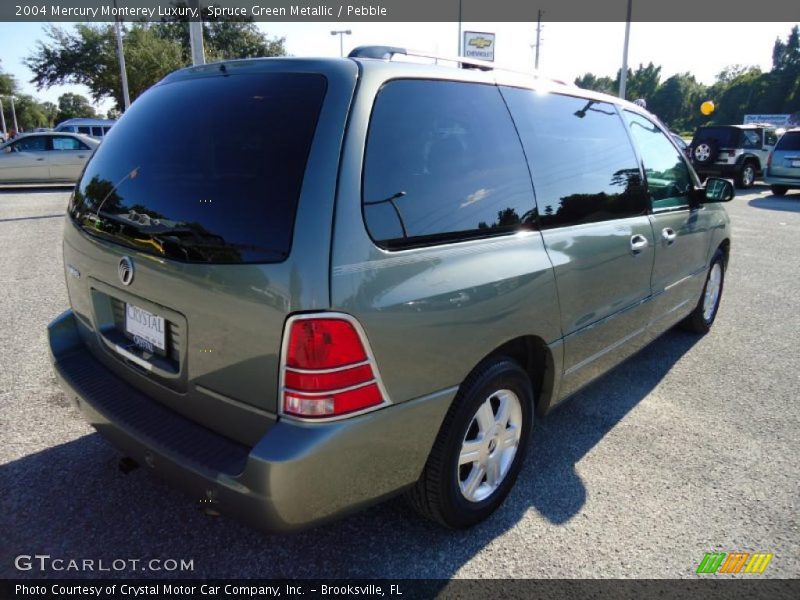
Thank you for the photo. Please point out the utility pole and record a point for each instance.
(538, 38)
(460, 36)
(196, 37)
(3, 119)
(123, 73)
(623, 76)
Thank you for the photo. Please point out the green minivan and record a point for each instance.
(301, 286)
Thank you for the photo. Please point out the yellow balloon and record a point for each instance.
(707, 107)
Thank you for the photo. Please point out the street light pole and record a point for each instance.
(3, 119)
(538, 38)
(460, 35)
(196, 38)
(341, 33)
(123, 74)
(623, 76)
(14, 115)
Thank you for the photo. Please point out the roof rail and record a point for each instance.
(387, 52)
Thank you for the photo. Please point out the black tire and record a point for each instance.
(697, 321)
(705, 152)
(746, 176)
(437, 495)
(778, 190)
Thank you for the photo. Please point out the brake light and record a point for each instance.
(327, 371)
(769, 160)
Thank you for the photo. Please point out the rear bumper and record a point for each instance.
(297, 475)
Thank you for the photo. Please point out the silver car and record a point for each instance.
(783, 168)
(45, 158)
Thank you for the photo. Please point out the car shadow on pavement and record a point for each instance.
(786, 204)
(72, 502)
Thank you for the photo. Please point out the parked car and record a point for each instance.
(348, 289)
(736, 151)
(96, 128)
(783, 165)
(44, 158)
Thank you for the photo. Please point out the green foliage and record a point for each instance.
(738, 89)
(87, 54)
(71, 106)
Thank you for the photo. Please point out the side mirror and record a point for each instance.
(717, 189)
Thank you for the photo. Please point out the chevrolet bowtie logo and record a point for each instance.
(480, 42)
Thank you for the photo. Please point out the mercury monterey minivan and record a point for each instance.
(299, 287)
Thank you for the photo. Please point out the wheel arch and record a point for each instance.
(539, 360)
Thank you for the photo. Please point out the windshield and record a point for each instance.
(206, 169)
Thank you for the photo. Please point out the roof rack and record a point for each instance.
(387, 52)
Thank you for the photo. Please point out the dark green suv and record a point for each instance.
(299, 287)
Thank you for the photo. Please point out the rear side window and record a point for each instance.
(583, 165)
(85, 130)
(205, 169)
(443, 161)
(789, 141)
(97, 131)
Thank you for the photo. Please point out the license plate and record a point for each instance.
(146, 329)
(796, 163)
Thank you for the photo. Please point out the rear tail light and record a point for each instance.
(327, 371)
(769, 160)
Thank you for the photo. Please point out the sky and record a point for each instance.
(567, 49)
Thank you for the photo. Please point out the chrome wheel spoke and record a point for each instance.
(504, 410)
(510, 438)
(470, 452)
(493, 477)
(473, 481)
(485, 417)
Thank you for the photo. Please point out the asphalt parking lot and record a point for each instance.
(689, 447)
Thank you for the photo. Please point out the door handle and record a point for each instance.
(39, 159)
(638, 243)
(81, 156)
(668, 235)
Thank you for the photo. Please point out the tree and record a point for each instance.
(51, 112)
(643, 82)
(677, 101)
(589, 81)
(71, 106)
(87, 55)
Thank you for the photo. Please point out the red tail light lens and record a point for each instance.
(327, 372)
(769, 160)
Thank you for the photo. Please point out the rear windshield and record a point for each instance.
(789, 141)
(726, 137)
(206, 169)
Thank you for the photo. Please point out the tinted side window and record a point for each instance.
(751, 138)
(668, 179)
(770, 137)
(35, 143)
(86, 130)
(583, 165)
(443, 160)
(97, 131)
